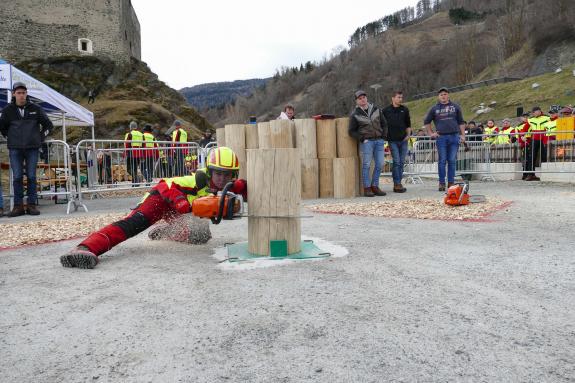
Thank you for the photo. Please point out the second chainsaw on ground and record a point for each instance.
(458, 195)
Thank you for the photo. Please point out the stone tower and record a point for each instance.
(47, 28)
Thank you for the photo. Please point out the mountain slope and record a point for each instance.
(215, 94)
(124, 93)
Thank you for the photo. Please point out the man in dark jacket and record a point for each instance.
(368, 125)
(26, 125)
(399, 121)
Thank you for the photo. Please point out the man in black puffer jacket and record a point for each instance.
(26, 125)
(368, 125)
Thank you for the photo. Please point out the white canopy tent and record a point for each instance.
(61, 110)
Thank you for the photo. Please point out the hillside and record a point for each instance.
(220, 93)
(124, 93)
(554, 89)
(462, 41)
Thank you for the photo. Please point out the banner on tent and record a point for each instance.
(5, 82)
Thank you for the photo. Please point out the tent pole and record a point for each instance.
(64, 126)
(93, 136)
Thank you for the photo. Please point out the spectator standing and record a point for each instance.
(26, 125)
(91, 96)
(133, 144)
(491, 132)
(519, 132)
(179, 141)
(399, 131)
(206, 139)
(288, 113)
(475, 131)
(537, 147)
(368, 125)
(149, 154)
(450, 131)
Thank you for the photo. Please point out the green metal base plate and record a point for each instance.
(238, 252)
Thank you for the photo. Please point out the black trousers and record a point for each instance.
(535, 153)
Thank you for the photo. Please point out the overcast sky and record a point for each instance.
(188, 42)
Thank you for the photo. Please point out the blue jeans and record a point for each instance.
(372, 149)
(17, 159)
(447, 147)
(398, 153)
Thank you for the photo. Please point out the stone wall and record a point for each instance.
(47, 28)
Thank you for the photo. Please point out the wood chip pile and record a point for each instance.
(414, 208)
(48, 230)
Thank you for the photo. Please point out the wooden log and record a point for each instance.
(281, 133)
(309, 178)
(221, 136)
(325, 166)
(326, 139)
(236, 140)
(274, 176)
(345, 178)
(251, 136)
(264, 135)
(305, 137)
(346, 145)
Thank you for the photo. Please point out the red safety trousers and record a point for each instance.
(150, 211)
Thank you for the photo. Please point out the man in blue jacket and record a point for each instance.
(449, 132)
(26, 125)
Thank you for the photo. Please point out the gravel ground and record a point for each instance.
(414, 300)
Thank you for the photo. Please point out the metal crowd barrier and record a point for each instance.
(485, 157)
(105, 165)
(54, 178)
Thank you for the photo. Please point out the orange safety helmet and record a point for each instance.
(224, 159)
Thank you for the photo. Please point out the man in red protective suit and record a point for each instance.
(167, 200)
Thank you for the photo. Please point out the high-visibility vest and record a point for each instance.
(149, 138)
(504, 136)
(183, 135)
(187, 184)
(537, 125)
(136, 136)
(490, 131)
(551, 127)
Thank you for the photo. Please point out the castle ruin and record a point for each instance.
(32, 29)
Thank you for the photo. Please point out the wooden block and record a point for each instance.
(305, 137)
(345, 179)
(325, 166)
(274, 176)
(346, 145)
(251, 136)
(221, 136)
(309, 178)
(281, 134)
(264, 135)
(236, 140)
(326, 139)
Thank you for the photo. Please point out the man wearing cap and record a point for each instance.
(450, 131)
(26, 126)
(537, 146)
(368, 125)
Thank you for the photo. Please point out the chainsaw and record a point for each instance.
(221, 205)
(458, 195)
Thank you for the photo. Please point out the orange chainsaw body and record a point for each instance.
(208, 207)
(457, 195)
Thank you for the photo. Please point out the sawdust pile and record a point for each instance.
(414, 208)
(47, 230)
(109, 193)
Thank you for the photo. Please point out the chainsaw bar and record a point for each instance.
(477, 199)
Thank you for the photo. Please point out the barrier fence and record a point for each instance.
(487, 157)
(67, 174)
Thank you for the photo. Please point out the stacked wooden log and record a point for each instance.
(120, 173)
(328, 156)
